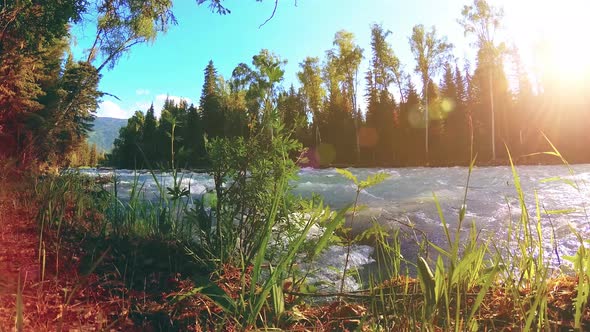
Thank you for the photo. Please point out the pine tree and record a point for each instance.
(372, 96)
(448, 88)
(193, 135)
(411, 125)
(164, 132)
(150, 136)
(454, 141)
(126, 152)
(210, 104)
(339, 143)
(72, 118)
(461, 87)
(291, 106)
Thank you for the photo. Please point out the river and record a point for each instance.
(407, 197)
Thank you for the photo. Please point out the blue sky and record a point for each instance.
(173, 65)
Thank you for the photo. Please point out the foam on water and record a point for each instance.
(326, 270)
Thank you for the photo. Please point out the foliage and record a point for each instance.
(382, 117)
(145, 141)
(121, 24)
(247, 175)
(430, 52)
(292, 110)
(30, 53)
(68, 113)
(313, 93)
(251, 203)
(213, 117)
(126, 154)
(86, 156)
(47, 104)
(343, 63)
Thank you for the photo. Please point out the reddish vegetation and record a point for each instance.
(64, 300)
(46, 305)
(69, 301)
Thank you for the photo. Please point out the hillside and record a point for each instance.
(105, 131)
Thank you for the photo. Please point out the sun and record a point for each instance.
(566, 58)
(554, 34)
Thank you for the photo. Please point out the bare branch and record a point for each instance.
(111, 95)
(271, 15)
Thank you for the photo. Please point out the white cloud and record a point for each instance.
(111, 109)
(142, 92)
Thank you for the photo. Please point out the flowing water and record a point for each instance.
(407, 197)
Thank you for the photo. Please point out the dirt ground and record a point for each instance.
(52, 304)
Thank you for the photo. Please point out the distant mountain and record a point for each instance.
(104, 132)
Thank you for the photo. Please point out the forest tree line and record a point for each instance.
(459, 112)
(48, 99)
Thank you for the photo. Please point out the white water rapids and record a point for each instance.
(407, 196)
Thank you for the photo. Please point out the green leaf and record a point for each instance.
(374, 179)
(563, 211)
(560, 179)
(347, 174)
(331, 226)
(210, 200)
(428, 285)
(441, 250)
(439, 278)
(278, 298)
(462, 212)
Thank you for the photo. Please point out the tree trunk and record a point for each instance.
(426, 120)
(490, 76)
